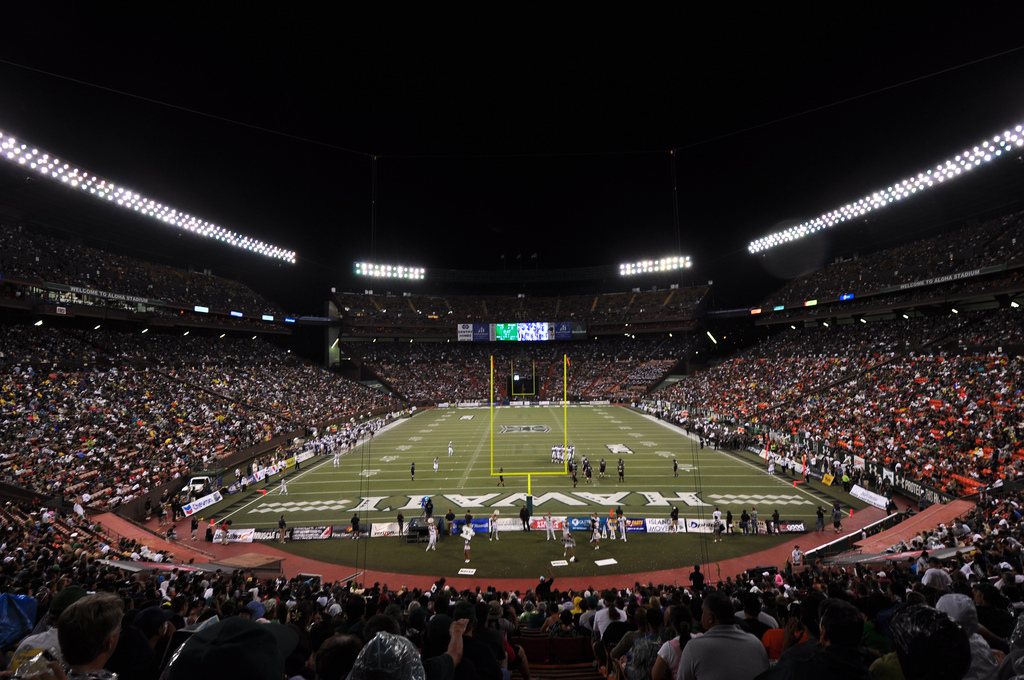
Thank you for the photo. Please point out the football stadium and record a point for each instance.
(404, 356)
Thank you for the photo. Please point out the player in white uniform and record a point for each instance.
(435, 463)
(337, 457)
(451, 451)
(550, 523)
(717, 526)
(568, 544)
(431, 535)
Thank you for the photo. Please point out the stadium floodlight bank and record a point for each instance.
(950, 169)
(390, 271)
(16, 152)
(665, 264)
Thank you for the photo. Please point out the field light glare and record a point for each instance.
(16, 152)
(390, 271)
(945, 171)
(665, 264)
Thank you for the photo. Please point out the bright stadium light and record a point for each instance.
(390, 271)
(19, 153)
(945, 171)
(665, 264)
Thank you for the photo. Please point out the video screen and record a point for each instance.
(533, 331)
(506, 331)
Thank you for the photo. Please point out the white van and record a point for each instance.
(197, 484)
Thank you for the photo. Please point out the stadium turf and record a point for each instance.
(375, 481)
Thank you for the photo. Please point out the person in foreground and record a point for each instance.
(724, 652)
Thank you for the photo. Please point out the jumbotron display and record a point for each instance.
(533, 331)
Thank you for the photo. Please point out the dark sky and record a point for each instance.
(513, 133)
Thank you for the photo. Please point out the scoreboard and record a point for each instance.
(522, 331)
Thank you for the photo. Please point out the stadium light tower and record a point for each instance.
(389, 271)
(964, 162)
(17, 152)
(665, 264)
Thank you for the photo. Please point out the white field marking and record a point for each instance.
(472, 460)
(776, 478)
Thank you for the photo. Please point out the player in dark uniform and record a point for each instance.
(575, 479)
(589, 472)
(622, 471)
(501, 477)
(412, 471)
(602, 469)
(675, 467)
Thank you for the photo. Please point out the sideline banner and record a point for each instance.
(699, 526)
(869, 497)
(204, 502)
(659, 525)
(236, 535)
(634, 523)
(541, 523)
(379, 529)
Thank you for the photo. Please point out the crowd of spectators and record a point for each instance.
(33, 256)
(916, 617)
(993, 242)
(952, 422)
(609, 367)
(121, 413)
(446, 311)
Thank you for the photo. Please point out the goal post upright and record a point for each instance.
(530, 474)
(490, 407)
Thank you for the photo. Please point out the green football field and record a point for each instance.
(375, 481)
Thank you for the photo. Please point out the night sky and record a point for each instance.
(514, 134)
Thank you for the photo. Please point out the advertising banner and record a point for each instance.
(236, 535)
(698, 526)
(379, 529)
(541, 524)
(509, 524)
(465, 332)
(479, 525)
(634, 523)
(311, 533)
(563, 330)
(582, 523)
(204, 502)
(791, 527)
(483, 332)
(264, 535)
(869, 497)
(658, 525)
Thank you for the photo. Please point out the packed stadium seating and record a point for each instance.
(123, 413)
(35, 257)
(616, 367)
